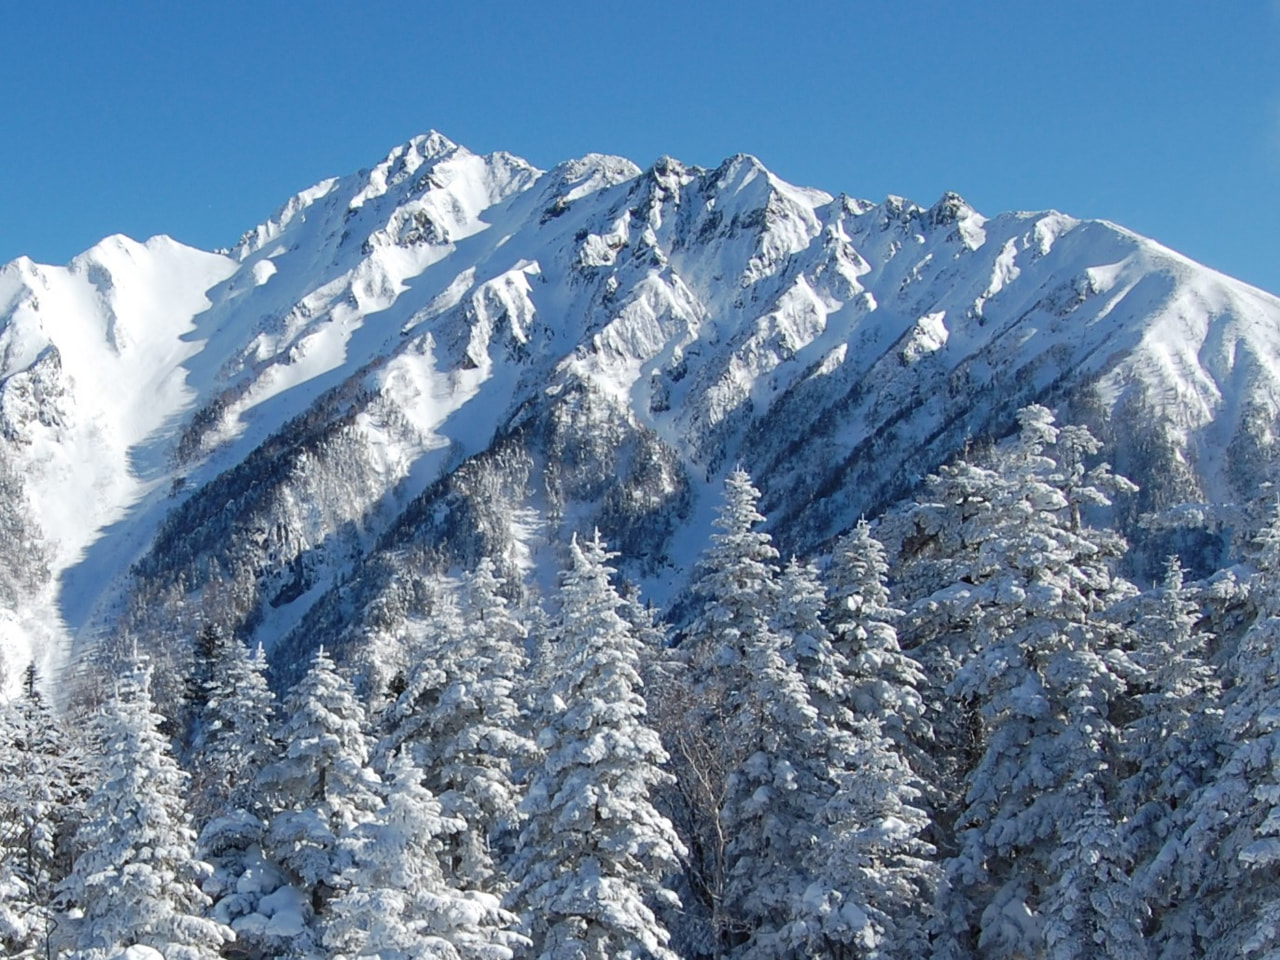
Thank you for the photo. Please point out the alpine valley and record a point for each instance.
(478, 562)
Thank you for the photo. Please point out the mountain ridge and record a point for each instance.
(467, 324)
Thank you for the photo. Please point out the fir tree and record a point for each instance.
(871, 875)
(594, 850)
(874, 876)
(460, 717)
(1092, 909)
(885, 682)
(318, 792)
(398, 903)
(405, 721)
(136, 880)
(41, 773)
(799, 618)
(235, 742)
(1040, 676)
(1229, 856)
(738, 582)
(234, 747)
(754, 746)
(207, 654)
(1172, 745)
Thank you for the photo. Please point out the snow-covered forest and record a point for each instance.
(956, 731)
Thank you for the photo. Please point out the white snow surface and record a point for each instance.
(119, 317)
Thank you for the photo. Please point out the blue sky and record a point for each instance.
(199, 119)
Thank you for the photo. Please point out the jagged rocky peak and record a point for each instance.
(405, 159)
(404, 162)
(843, 206)
(950, 208)
(671, 175)
(571, 181)
(431, 145)
(259, 237)
(900, 210)
(587, 174)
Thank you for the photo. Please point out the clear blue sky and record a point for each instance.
(198, 119)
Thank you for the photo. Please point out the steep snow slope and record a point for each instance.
(91, 375)
(451, 353)
(91, 358)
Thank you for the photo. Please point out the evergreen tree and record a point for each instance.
(885, 682)
(808, 644)
(405, 721)
(398, 903)
(318, 792)
(1229, 856)
(532, 694)
(753, 746)
(136, 880)
(738, 582)
(944, 543)
(775, 795)
(660, 663)
(1040, 676)
(235, 742)
(1093, 909)
(594, 850)
(460, 717)
(204, 660)
(874, 875)
(1172, 745)
(738, 590)
(871, 875)
(41, 772)
(234, 747)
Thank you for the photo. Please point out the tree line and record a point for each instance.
(958, 733)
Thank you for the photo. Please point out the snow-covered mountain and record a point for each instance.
(452, 354)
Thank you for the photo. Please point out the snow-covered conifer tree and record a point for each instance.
(406, 719)
(753, 744)
(136, 880)
(41, 772)
(234, 743)
(1040, 677)
(885, 682)
(1092, 909)
(808, 643)
(871, 878)
(1229, 856)
(940, 537)
(460, 717)
(318, 792)
(738, 583)
(775, 795)
(1172, 746)
(593, 852)
(659, 662)
(398, 903)
(202, 663)
(874, 876)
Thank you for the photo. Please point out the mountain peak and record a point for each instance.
(670, 173)
(573, 179)
(384, 330)
(950, 208)
(432, 144)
